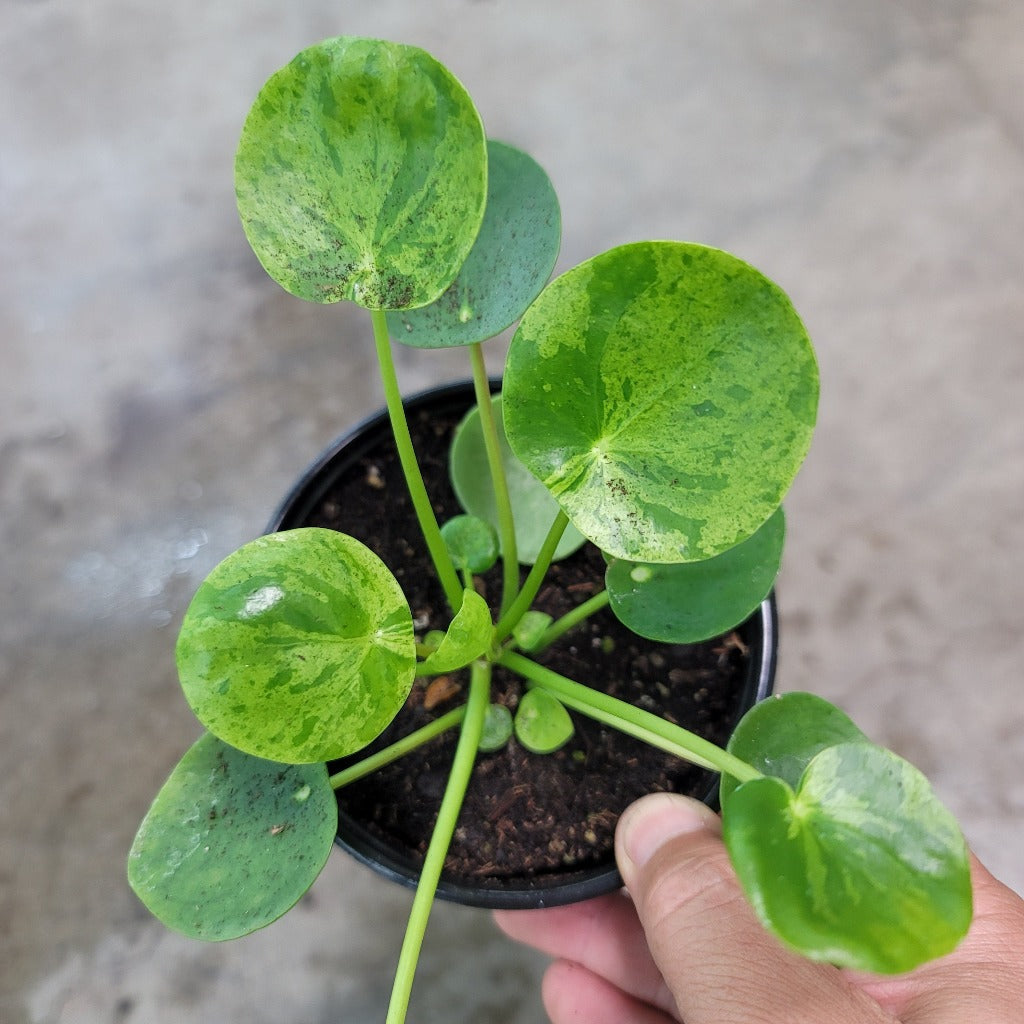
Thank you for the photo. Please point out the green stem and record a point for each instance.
(410, 467)
(440, 839)
(503, 504)
(570, 619)
(396, 750)
(521, 605)
(632, 720)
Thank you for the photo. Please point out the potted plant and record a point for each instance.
(656, 402)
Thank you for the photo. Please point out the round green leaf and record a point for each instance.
(513, 256)
(232, 841)
(861, 867)
(781, 735)
(542, 724)
(533, 508)
(468, 636)
(665, 393)
(497, 730)
(361, 174)
(471, 542)
(692, 601)
(298, 647)
(530, 629)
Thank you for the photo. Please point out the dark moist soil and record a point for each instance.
(524, 814)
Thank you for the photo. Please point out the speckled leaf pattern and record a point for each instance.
(511, 259)
(232, 841)
(298, 647)
(533, 508)
(687, 602)
(468, 636)
(861, 866)
(665, 393)
(361, 174)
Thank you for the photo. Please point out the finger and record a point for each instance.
(983, 979)
(572, 995)
(717, 959)
(603, 935)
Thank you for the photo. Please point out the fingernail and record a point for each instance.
(655, 820)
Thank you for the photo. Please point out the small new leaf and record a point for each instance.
(471, 542)
(468, 636)
(497, 730)
(542, 724)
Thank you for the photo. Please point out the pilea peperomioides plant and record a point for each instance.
(657, 401)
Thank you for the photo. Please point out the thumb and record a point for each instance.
(716, 958)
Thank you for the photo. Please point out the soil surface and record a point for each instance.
(524, 814)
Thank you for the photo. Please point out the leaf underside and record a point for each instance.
(533, 508)
(510, 261)
(693, 601)
(232, 841)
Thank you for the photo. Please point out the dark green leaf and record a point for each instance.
(513, 256)
(779, 736)
(861, 867)
(361, 174)
(298, 647)
(533, 509)
(692, 601)
(665, 393)
(231, 841)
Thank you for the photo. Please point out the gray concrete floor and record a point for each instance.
(158, 394)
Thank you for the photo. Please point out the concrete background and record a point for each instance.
(158, 394)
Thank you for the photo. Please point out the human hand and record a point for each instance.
(686, 946)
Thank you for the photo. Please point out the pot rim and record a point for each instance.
(759, 631)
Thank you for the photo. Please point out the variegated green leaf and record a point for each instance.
(665, 393)
(860, 866)
(298, 647)
(361, 174)
(468, 636)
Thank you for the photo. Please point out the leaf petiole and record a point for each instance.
(400, 748)
(410, 467)
(571, 619)
(441, 837)
(532, 583)
(631, 720)
(503, 504)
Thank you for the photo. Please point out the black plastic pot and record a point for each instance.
(759, 633)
